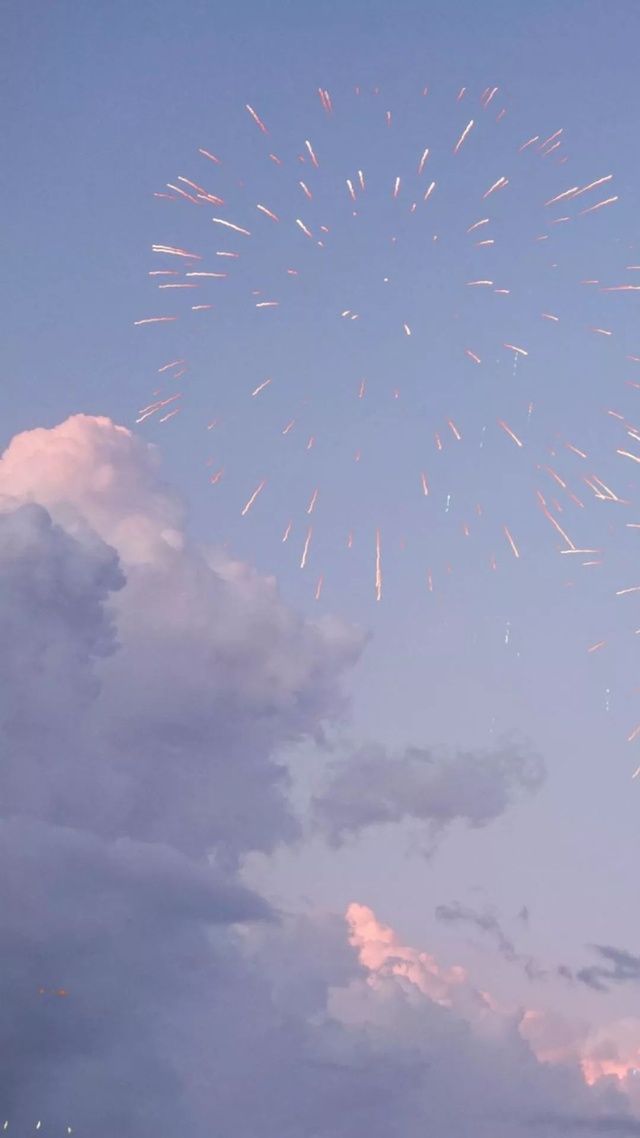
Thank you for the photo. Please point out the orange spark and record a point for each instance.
(496, 186)
(307, 191)
(509, 432)
(155, 320)
(462, 137)
(256, 119)
(305, 551)
(253, 497)
(485, 221)
(378, 568)
(217, 476)
(268, 212)
(511, 542)
(473, 355)
(175, 252)
(598, 205)
(513, 348)
(230, 225)
(454, 429)
(311, 153)
(303, 227)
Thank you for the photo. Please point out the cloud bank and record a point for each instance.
(149, 691)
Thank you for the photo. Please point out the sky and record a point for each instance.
(304, 862)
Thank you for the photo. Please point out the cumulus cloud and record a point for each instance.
(372, 788)
(150, 688)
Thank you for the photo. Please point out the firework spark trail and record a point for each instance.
(305, 551)
(462, 137)
(378, 568)
(253, 497)
(256, 119)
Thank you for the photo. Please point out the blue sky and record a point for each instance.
(105, 103)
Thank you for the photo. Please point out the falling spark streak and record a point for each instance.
(511, 542)
(473, 355)
(287, 532)
(307, 191)
(319, 587)
(350, 540)
(253, 497)
(312, 503)
(594, 647)
(362, 387)
(592, 185)
(218, 275)
(155, 320)
(564, 485)
(311, 154)
(430, 581)
(529, 143)
(268, 304)
(230, 225)
(470, 283)
(351, 190)
(630, 740)
(175, 252)
(496, 186)
(170, 415)
(425, 488)
(513, 348)
(303, 227)
(552, 148)
(361, 179)
(429, 192)
(289, 427)
(509, 432)
(598, 205)
(211, 156)
(396, 188)
(256, 119)
(633, 589)
(217, 476)
(557, 526)
(489, 98)
(461, 93)
(602, 331)
(174, 363)
(261, 386)
(305, 551)
(485, 221)
(622, 288)
(407, 329)
(462, 137)
(378, 568)
(549, 139)
(177, 286)
(268, 212)
(184, 194)
(626, 454)
(455, 430)
(488, 242)
(547, 316)
(423, 160)
(575, 450)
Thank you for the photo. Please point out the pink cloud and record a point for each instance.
(600, 1053)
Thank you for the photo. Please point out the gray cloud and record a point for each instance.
(603, 1124)
(489, 924)
(620, 967)
(372, 787)
(149, 689)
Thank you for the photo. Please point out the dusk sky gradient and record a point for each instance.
(318, 866)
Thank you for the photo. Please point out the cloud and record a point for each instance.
(621, 968)
(604, 1124)
(150, 689)
(372, 788)
(488, 923)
